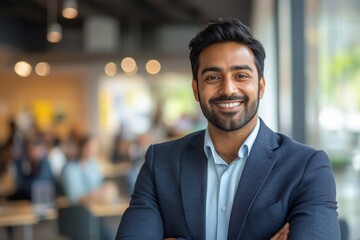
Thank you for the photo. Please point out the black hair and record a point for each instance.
(83, 141)
(225, 30)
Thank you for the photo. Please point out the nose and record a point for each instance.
(227, 87)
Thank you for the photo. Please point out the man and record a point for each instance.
(237, 179)
(32, 167)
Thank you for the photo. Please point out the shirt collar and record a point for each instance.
(245, 148)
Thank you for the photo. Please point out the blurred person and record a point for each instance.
(120, 150)
(6, 180)
(82, 178)
(56, 158)
(56, 155)
(7, 148)
(33, 166)
(14, 143)
(137, 152)
(139, 146)
(236, 179)
(4, 159)
(30, 168)
(83, 181)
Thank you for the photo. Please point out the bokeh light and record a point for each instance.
(129, 66)
(23, 68)
(42, 69)
(110, 69)
(153, 66)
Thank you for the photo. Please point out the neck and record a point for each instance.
(228, 143)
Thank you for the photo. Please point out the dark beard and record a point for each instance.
(231, 122)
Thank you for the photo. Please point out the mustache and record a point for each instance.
(228, 98)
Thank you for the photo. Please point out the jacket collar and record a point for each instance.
(193, 173)
(256, 170)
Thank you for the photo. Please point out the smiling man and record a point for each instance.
(236, 179)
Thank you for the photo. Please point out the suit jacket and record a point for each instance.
(282, 181)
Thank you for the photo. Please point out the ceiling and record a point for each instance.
(23, 23)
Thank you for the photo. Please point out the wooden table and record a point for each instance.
(115, 169)
(17, 213)
(108, 210)
(100, 209)
(23, 213)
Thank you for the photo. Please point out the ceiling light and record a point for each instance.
(42, 69)
(153, 66)
(70, 9)
(23, 68)
(54, 34)
(110, 69)
(128, 65)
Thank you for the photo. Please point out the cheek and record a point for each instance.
(251, 90)
(206, 94)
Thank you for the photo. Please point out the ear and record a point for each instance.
(195, 89)
(262, 87)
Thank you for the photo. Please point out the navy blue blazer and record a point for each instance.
(282, 181)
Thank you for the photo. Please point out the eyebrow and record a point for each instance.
(232, 68)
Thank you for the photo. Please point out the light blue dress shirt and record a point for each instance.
(222, 183)
(79, 179)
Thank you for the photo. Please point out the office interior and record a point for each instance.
(119, 70)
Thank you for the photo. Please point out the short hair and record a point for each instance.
(225, 30)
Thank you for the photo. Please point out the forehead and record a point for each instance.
(226, 53)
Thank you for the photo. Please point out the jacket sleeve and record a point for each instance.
(313, 213)
(142, 219)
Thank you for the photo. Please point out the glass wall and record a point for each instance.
(333, 83)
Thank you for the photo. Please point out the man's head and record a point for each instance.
(225, 30)
(35, 149)
(228, 82)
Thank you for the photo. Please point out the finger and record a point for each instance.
(284, 229)
(283, 232)
(284, 236)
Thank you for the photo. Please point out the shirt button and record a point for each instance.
(223, 209)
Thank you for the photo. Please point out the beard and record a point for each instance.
(230, 121)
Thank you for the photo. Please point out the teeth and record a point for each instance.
(229, 105)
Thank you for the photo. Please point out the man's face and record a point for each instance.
(36, 152)
(228, 87)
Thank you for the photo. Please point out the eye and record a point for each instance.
(241, 76)
(212, 78)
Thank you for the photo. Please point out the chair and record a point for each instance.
(78, 223)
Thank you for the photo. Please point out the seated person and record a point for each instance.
(32, 167)
(82, 178)
(83, 181)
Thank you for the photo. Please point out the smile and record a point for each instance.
(229, 105)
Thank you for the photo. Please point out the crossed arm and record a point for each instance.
(282, 234)
(312, 213)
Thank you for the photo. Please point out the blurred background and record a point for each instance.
(118, 70)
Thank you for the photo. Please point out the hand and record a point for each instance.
(283, 233)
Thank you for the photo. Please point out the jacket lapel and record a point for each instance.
(256, 170)
(193, 186)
